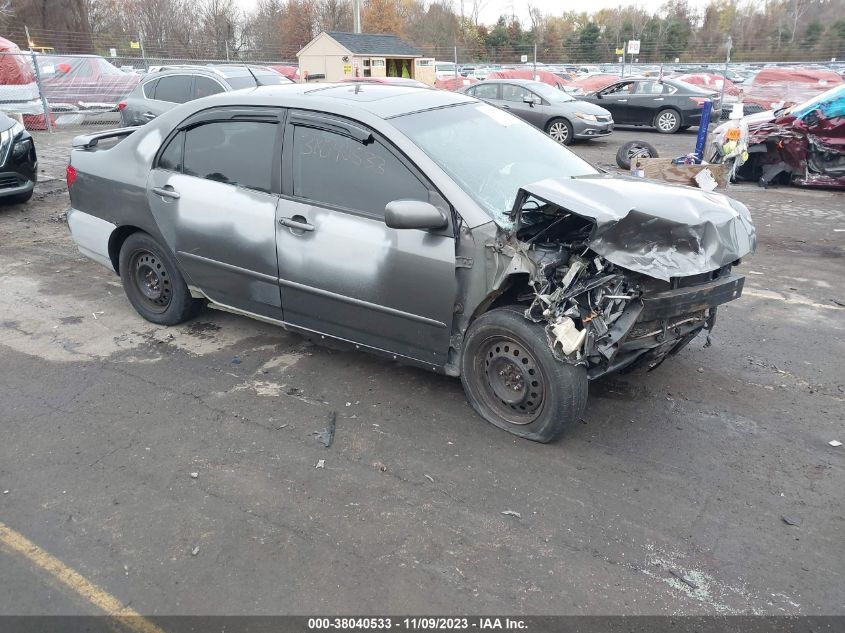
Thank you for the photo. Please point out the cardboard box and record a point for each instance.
(663, 169)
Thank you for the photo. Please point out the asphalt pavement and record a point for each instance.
(707, 486)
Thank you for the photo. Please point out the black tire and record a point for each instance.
(504, 352)
(153, 283)
(684, 128)
(634, 149)
(561, 131)
(667, 121)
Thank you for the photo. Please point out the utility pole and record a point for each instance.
(143, 54)
(356, 16)
(729, 45)
(44, 103)
(535, 60)
(624, 48)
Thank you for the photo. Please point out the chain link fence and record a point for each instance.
(52, 91)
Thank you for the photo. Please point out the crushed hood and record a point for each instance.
(657, 229)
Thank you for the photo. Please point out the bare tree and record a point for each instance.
(334, 15)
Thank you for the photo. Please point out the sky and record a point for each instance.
(492, 9)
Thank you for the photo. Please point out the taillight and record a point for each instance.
(70, 174)
(121, 105)
(699, 101)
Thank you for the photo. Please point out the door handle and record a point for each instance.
(148, 115)
(658, 99)
(297, 222)
(166, 192)
(505, 107)
(623, 101)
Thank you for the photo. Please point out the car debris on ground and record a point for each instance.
(326, 436)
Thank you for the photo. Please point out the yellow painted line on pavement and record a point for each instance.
(129, 618)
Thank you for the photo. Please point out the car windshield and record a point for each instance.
(549, 93)
(837, 93)
(489, 153)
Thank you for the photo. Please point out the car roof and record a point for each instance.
(218, 70)
(382, 100)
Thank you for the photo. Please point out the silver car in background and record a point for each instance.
(422, 225)
(163, 89)
(560, 115)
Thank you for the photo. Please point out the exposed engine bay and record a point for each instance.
(608, 316)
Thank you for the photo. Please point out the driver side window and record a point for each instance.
(620, 89)
(338, 171)
(514, 93)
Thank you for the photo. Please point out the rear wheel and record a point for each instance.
(512, 379)
(667, 121)
(153, 283)
(561, 131)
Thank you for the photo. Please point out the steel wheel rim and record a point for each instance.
(151, 279)
(666, 121)
(638, 151)
(512, 382)
(559, 131)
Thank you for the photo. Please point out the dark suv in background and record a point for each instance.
(163, 89)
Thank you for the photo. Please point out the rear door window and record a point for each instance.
(338, 171)
(175, 89)
(204, 87)
(233, 152)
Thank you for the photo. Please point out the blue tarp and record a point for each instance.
(830, 103)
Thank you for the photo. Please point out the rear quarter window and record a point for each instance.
(149, 89)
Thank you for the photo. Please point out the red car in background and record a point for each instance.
(783, 87)
(83, 82)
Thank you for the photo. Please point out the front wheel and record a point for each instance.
(667, 121)
(512, 379)
(561, 131)
(153, 283)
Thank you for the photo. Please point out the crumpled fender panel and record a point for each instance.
(659, 230)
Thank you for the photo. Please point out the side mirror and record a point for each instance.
(599, 95)
(530, 100)
(413, 214)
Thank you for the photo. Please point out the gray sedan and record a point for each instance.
(560, 115)
(422, 225)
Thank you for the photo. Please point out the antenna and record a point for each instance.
(249, 70)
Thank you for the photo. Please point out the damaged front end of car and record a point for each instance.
(803, 145)
(620, 271)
